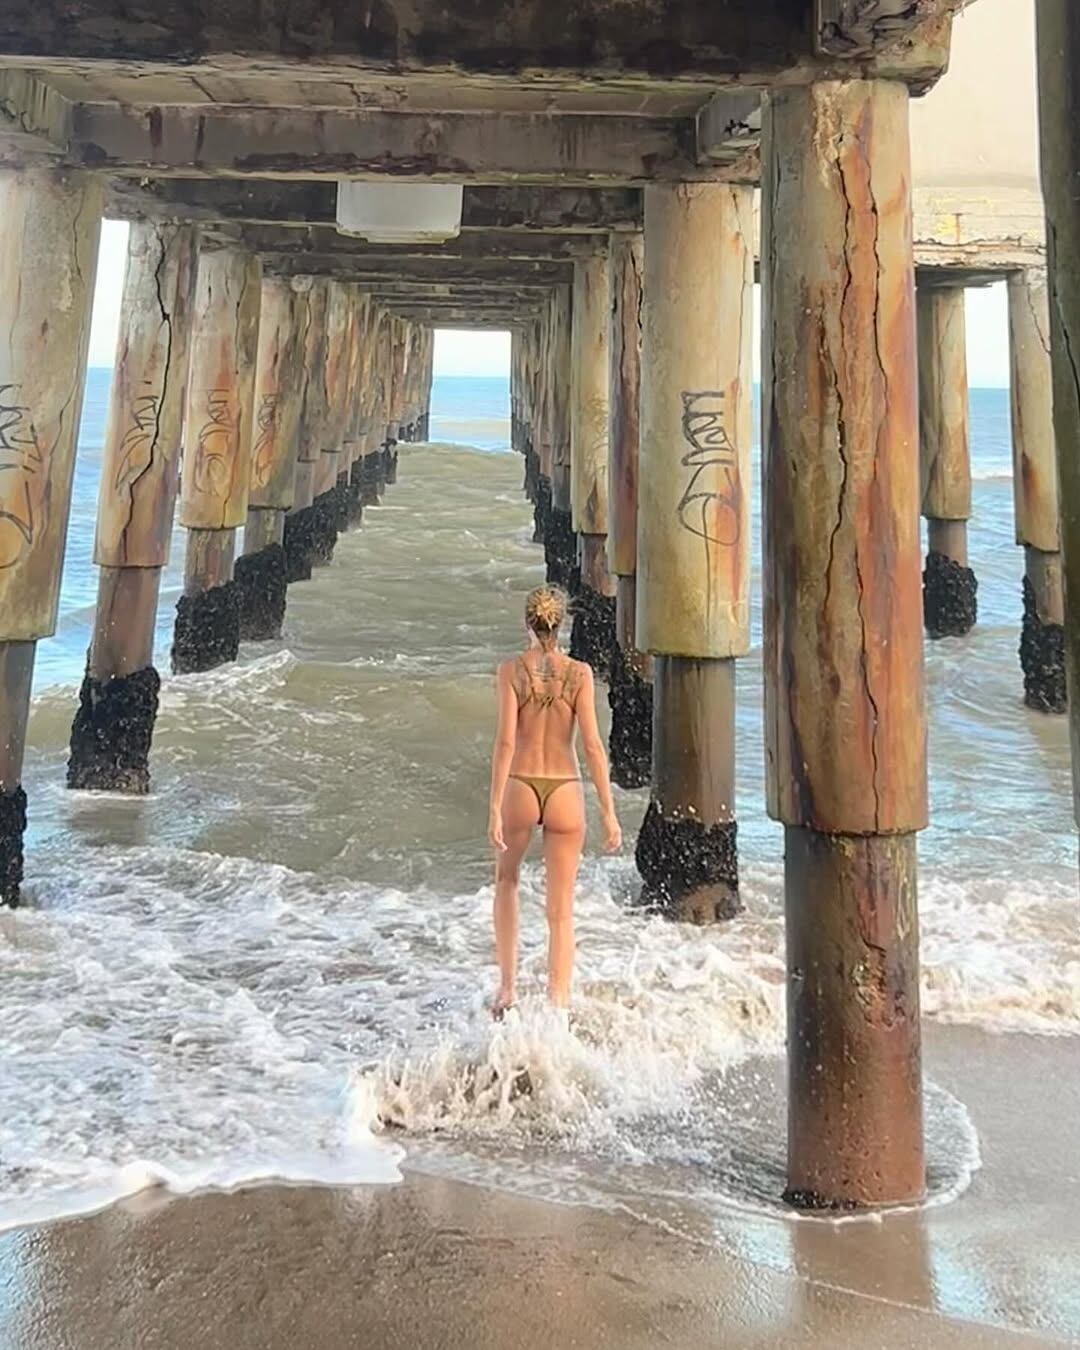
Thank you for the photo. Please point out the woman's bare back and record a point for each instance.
(546, 685)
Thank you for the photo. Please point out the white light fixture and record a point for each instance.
(399, 213)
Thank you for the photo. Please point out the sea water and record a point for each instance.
(278, 964)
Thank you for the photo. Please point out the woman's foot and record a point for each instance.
(503, 1002)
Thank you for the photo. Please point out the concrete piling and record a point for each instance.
(215, 477)
(844, 719)
(949, 584)
(693, 538)
(630, 694)
(49, 226)
(1035, 492)
(593, 635)
(113, 727)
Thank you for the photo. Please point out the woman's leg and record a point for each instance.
(521, 812)
(564, 838)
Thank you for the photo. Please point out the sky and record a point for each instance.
(473, 353)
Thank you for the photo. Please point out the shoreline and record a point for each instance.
(440, 1262)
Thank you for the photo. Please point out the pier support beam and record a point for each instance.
(949, 585)
(1035, 494)
(630, 678)
(693, 550)
(560, 541)
(49, 227)
(217, 456)
(114, 725)
(300, 535)
(373, 468)
(844, 719)
(260, 572)
(593, 635)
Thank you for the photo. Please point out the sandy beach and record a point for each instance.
(434, 1263)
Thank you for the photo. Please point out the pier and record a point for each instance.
(627, 172)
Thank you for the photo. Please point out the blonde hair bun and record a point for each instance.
(545, 609)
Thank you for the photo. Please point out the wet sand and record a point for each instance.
(436, 1263)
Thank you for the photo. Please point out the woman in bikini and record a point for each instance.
(543, 697)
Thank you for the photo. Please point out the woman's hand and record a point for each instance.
(495, 832)
(612, 833)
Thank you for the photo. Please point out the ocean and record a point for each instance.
(277, 964)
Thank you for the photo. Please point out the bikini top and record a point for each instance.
(533, 688)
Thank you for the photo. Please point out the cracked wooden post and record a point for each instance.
(593, 634)
(545, 416)
(1035, 495)
(328, 505)
(216, 468)
(394, 392)
(374, 463)
(118, 701)
(260, 572)
(630, 694)
(560, 542)
(528, 413)
(299, 536)
(693, 541)
(49, 226)
(1058, 27)
(949, 585)
(845, 736)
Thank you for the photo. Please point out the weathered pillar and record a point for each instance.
(560, 541)
(1058, 25)
(114, 725)
(949, 586)
(373, 474)
(845, 730)
(593, 635)
(49, 226)
(1035, 495)
(327, 505)
(260, 573)
(216, 470)
(394, 390)
(301, 531)
(545, 448)
(349, 480)
(630, 676)
(693, 542)
(426, 381)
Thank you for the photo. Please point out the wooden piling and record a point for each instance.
(630, 676)
(1035, 495)
(216, 472)
(301, 528)
(693, 538)
(373, 468)
(844, 717)
(49, 226)
(260, 571)
(949, 584)
(113, 727)
(593, 635)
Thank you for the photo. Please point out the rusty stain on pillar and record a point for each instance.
(260, 572)
(216, 471)
(845, 735)
(593, 635)
(118, 701)
(49, 227)
(630, 678)
(693, 534)
(1035, 492)
(949, 585)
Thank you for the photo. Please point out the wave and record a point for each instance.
(182, 1019)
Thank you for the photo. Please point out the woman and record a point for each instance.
(543, 696)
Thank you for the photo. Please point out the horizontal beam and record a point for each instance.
(522, 209)
(477, 270)
(652, 38)
(235, 142)
(482, 246)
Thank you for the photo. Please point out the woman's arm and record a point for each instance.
(502, 755)
(596, 758)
